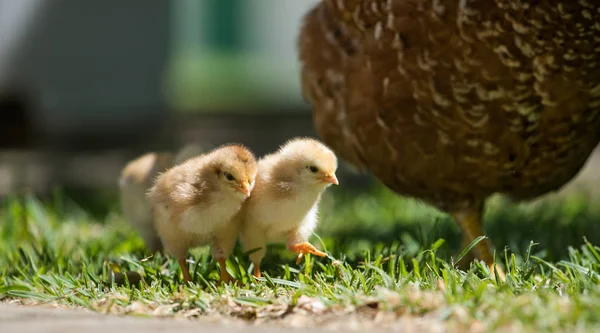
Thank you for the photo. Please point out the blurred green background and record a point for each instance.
(233, 54)
(87, 86)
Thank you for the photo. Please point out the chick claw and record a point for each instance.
(304, 248)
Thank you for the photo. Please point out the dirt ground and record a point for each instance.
(25, 319)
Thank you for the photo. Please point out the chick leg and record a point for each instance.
(470, 223)
(184, 269)
(257, 273)
(222, 248)
(225, 276)
(256, 258)
(254, 239)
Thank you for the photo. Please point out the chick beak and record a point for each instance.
(330, 178)
(244, 188)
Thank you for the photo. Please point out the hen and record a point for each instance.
(452, 101)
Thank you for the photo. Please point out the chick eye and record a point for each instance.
(229, 176)
(313, 169)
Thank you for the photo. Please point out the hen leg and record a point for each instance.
(468, 258)
(469, 221)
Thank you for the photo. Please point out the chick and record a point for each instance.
(284, 202)
(135, 180)
(194, 203)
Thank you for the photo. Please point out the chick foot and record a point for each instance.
(304, 248)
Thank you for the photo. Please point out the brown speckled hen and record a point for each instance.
(452, 101)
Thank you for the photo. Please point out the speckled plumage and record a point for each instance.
(452, 101)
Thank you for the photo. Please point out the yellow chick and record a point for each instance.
(194, 203)
(284, 202)
(135, 180)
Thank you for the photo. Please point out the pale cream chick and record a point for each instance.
(194, 203)
(284, 202)
(136, 178)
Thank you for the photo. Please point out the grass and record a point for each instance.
(391, 265)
